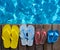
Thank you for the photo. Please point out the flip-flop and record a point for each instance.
(31, 32)
(43, 36)
(37, 36)
(6, 35)
(14, 36)
(23, 32)
(53, 36)
(50, 35)
(56, 35)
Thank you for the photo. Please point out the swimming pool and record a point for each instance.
(29, 11)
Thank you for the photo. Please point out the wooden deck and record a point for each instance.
(46, 46)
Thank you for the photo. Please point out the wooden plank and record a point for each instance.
(46, 45)
(56, 46)
(30, 48)
(0, 35)
(20, 46)
(39, 47)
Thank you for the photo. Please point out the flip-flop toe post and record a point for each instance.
(23, 31)
(31, 33)
(6, 35)
(14, 36)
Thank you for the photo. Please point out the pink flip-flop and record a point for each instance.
(37, 36)
(43, 36)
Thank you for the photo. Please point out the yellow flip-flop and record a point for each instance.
(14, 36)
(6, 35)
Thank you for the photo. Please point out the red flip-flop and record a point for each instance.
(43, 36)
(37, 36)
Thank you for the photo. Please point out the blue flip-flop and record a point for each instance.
(53, 36)
(31, 32)
(50, 36)
(23, 31)
(56, 35)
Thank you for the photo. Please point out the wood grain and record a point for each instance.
(46, 45)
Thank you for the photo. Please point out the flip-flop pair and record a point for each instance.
(40, 36)
(10, 36)
(27, 34)
(52, 36)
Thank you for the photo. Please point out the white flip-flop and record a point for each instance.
(23, 31)
(31, 32)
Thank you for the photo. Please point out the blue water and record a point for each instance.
(30, 11)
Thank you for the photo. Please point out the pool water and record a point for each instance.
(29, 11)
